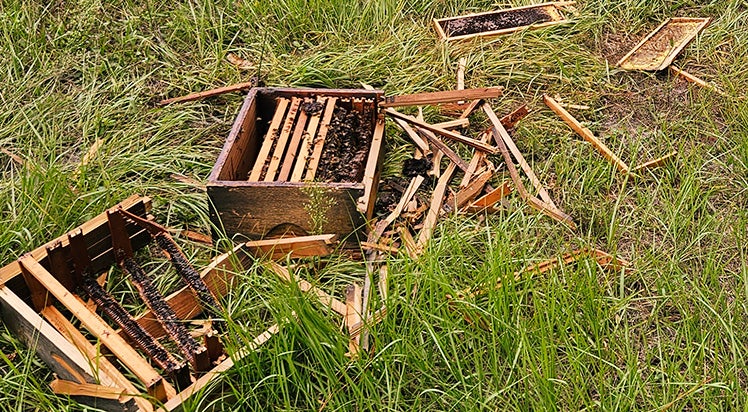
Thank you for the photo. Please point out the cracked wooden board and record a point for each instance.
(658, 50)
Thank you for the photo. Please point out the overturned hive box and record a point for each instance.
(299, 161)
(42, 303)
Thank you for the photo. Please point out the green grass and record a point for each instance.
(670, 334)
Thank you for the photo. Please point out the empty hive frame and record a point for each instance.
(296, 158)
(494, 23)
(660, 47)
(40, 294)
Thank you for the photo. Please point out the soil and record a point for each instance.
(495, 21)
(415, 167)
(346, 146)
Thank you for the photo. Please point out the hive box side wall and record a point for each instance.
(242, 145)
(255, 210)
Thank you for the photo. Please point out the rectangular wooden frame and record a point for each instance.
(66, 351)
(698, 25)
(254, 208)
(557, 17)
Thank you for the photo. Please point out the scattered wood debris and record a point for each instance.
(210, 93)
(240, 63)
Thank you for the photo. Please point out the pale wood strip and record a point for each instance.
(280, 144)
(293, 145)
(270, 138)
(306, 144)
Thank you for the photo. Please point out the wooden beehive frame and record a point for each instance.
(45, 276)
(259, 170)
(553, 10)
(639, 58)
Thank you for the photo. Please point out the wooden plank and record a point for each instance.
(202, 384)
(586, 134)
(443, 148)
(511, 120)
(294, 247)
(280, 145)
(353, 312)
(445, 133)
(236, 157)
(504, 135)
(437, 198)
(422, 145)
(209, 93)
(293, 145)
(476, 160)
(490, 198)
(270, 138)
(365, 204)
(68, 388)
(462, 122)
(537, 204)
(468, 193)
(107, 373)
(467, 111)
(92, 227)
(461, 73)
(655, 163)
(448, 96)
(319, 143)
(285, 274)
(306, 144)
(155, 384)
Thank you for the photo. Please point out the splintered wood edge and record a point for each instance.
(437, 199)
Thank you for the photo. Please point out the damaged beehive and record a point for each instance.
(42, 302)
(300, 161)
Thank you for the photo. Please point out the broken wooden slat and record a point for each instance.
(511, 120)
(440, 97)
(270, 138)
(655, 163)
(320, 140)
(154, 383)
(297, 247)
(293, 144)
(366, 203)
(490, 198)
(469, 192)
(353, 311)
(68, 388)
(306, 144)
(531, 200)
(437, 198)
(324, 298)
(461, 73)
(209, 93)
(280, 144)
(453, 124)
(14, 157)
(467, 111)
(695, 80)
(478, 157)
(586, 134)
(108, 374)
(355, 329)
(422, 145)
(194, 236)
(410, 244)
(379, 247)
(446, 133)
(239, 62)
(501, 133)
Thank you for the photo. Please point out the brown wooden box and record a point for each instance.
(257, 209)
(34, 287)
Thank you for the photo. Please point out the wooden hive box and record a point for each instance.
(40, 303)
(300, 161)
